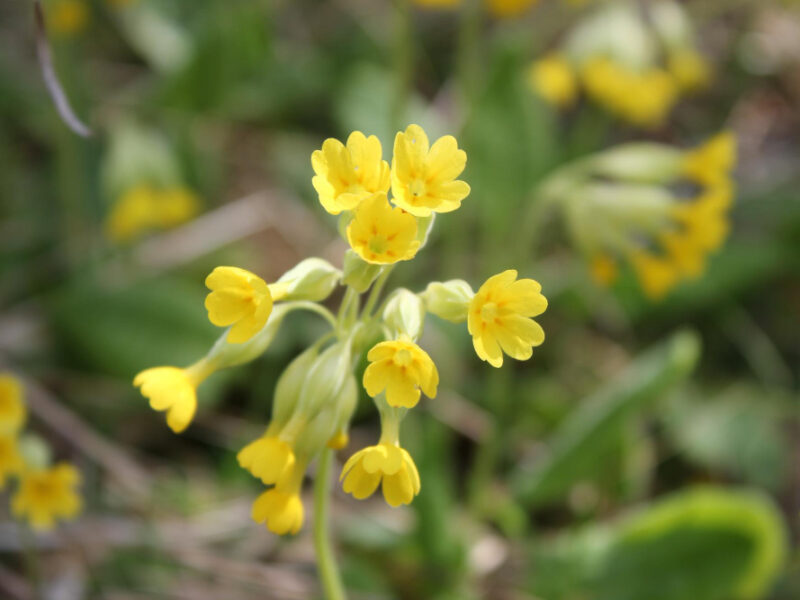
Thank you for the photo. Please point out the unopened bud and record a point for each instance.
(448, 300)
(404, 314)
(312, 279)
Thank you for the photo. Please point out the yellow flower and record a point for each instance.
(12, 407)
(498, 318)
(381, 234)
(176, 205)
(386, 464)
(269, 458)
(144, 207)
(174, 390)
(437, 3)
(509, 8)
(45, 495)
(10, 459)
(347, 175)
(711, 163)
(401, 368)
(238, 298)
(604, 269)
(553, 79)
(689, 69)
(657, 275)
(68, 17)
(423, 176)
(281, 508)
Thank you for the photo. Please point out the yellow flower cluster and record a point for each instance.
(498, 8)
(317, 393)
(144, 207)
(44, 494)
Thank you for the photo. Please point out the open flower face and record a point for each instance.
(384, 464)
(45, 495)
(238, 298)
(499, 318)
(347, 175)
(381, 234)
(424, 177)
(171, 389)
(402, 369)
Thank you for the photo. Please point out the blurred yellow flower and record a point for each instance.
(45, 495)
(553, 79)
(381, 234)
(269, 458)
(711, 163)
(423, 176)
(499, 318)
(11, 462)
(689, 69)
(238, 298)
(401, 368)
(509, 8)
(385, 464)
(603, 269)
(68, 17)
(347, 175)
(437, 4)
(12, 406)
(174, 390)
(656, 274)
(144, 207)
(281, 508)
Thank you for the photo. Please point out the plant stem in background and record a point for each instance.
(31, 561)
(329, 576)
(468, 53)
(403, 62)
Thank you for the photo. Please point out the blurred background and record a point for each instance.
(648, 451)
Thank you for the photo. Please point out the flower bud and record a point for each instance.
(325, 379)
(34, 451)
(448, 300)
(330, 425)
(404, 314)
(643, 162)
(289, 386)
(312, 279)
(358, 273)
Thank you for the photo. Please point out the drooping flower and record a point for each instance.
(347, 175)
(381, 234)
(384, 464)
(47, 495)
(280, 508)
(656, 274)
(711, 163)
(402, 369)
(144, 207)
(553, 78)
(689, 69)
(174, 390)
(11, 462)
(509, 8)
(423, 176)
(269, 458)
(238, 298)
(68, 17)
(499, 318)
(12, 406)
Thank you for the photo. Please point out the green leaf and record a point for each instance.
(582, 441)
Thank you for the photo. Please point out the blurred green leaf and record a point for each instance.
(584, 438)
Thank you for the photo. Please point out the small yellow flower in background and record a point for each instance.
(238, 298)
(144, 207)
(711, 163)
(509, 8)
(603, 269)
(499, 318)
(176, 205)
(280, 508)
(47, 495)
(338, 441)
(423, 176)
(402, 369)
(11, 462)
(381, 234)
(387, 465)
(68, 17)
(689, 69)
(174, 390)
(553, 78)
(657, 275)
(437, 4)
(12, 407)
(269, 458)
(347, 175)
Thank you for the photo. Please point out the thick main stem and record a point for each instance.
(328, 570)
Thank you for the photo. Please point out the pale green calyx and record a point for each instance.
(404, 314)
(358, 273)
(311, 279)
(448, 300)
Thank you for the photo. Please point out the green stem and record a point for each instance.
(468, 57)
(345, 311)
(31, 561)
(375, 293)
(316, 308)
(403, 61)
(329, 576)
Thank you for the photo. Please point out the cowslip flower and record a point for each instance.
(499, 318)
(11, 462)
(68, 17)
(382, 234)
(423, 176)
(689, 69)
(280, 508)
(711, 163)
(144, 207)
(239, 299)
(348, 174)
(384, 464)
(402, 369)
(173, 390)
(12, 406)
(553, 78)
(47, 495)
(269, 458)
